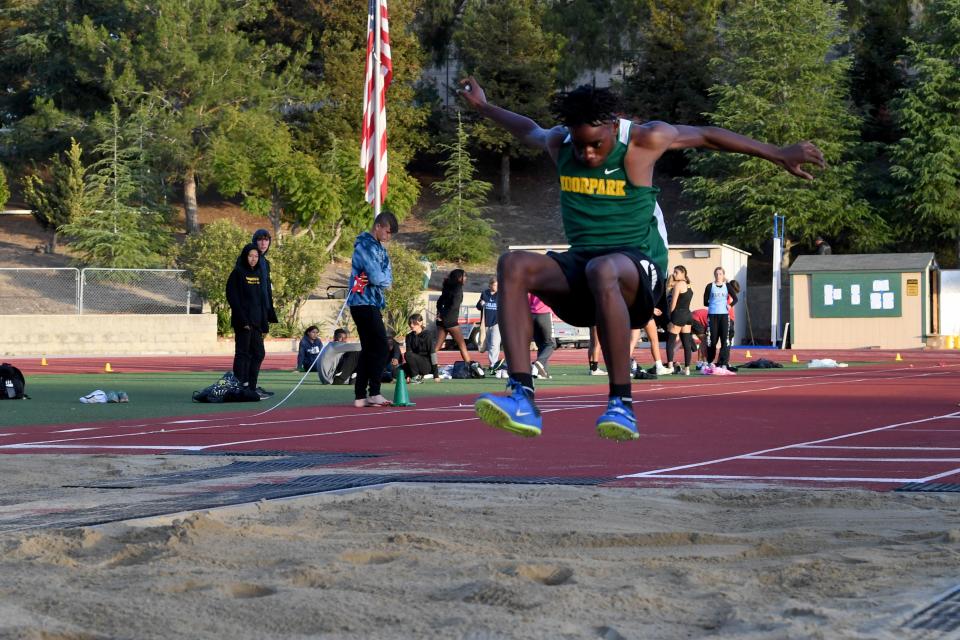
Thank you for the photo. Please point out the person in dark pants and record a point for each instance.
(542, 335)
(718, 297)
(421, 359)
(394, 364)
(370, 275)
(262, 238)
(448, 317)
(248, 317)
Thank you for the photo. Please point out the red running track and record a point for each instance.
(875, 427)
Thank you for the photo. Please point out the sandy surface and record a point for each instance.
(458, 561)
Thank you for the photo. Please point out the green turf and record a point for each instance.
(56, 398)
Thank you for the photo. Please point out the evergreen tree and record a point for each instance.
(926, 161)
(668, 76)
(503, 44)
(457, 231)
(782, 82)
(594, 34)
(4, 189)
(118, 229)
(63, 198)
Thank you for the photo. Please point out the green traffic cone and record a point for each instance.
(400, 396)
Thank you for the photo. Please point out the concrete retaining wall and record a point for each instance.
(78, 335)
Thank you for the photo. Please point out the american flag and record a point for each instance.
(374, 135)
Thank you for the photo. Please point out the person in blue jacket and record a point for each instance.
(370, 275)
(310, 346)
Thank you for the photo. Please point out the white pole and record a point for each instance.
(377, 92)
(775, 285)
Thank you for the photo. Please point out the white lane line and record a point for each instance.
(656, 472)
(796, 478)
(76, 430)
(815, 459)
(871, 448)
(235, 443)
(937, 476)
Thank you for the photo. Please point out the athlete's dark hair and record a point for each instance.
(586, 105)
(454, 279)
(387, 219)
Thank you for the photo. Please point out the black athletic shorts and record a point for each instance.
(697, 328)
(579, 308)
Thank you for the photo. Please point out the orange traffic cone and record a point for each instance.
(43, 362)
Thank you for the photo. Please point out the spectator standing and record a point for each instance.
(734, 287)
(718, 298)
(421, 359)
(448, 317)
(823, 248)
(542, 334)
(248, 317)
(370, 275)
(310, 346)
(338, 359)
(488, 309)
(681, 319)
(263, 239)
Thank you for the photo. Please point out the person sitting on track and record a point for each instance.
(309, 349)
(613, 274)
(338, 359)
(421, 359)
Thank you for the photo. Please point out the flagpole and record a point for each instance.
(377, 96)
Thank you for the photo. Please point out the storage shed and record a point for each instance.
(888, 301)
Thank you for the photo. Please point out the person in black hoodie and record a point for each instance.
(262, 238)
(448, 318)
(248, 317)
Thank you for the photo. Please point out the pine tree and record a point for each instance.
(926, 161)
(118, 229)
(62, 198)
(503, 43)
(458, 232)
(4, 189)
(783, 81)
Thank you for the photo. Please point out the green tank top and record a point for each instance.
(600, 209)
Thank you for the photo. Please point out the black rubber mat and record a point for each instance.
(938, 620)
(930, 487)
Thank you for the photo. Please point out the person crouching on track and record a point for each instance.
(248, 319)
(421, 359)
(370, 275)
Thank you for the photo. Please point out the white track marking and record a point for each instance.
(940, 475)
(872, 448)
(814, 459)
(681, 476)
(661, 472)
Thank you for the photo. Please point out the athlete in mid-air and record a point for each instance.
(613, 274)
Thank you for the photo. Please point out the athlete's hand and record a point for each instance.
(472, 92)
(793, 157)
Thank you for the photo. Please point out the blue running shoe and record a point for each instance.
(515, 413)
(618, 422)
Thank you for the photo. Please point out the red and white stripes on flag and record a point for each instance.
(373, 141)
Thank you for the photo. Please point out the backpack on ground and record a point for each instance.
(226, 389)
(12, 383)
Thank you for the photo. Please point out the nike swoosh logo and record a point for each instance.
(520, 414)
(607, 172)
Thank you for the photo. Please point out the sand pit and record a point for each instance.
(457, 561)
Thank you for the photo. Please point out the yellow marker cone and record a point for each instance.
(400, 396)
(748, 354)
(794, 359)
(43, 362)
(948, 342)
(107, 368)
(956, 342)
(898, 358)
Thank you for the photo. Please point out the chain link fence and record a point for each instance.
(70, 291)
(39, 291)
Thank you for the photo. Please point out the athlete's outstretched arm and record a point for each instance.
(791, 157)
(521, 127)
